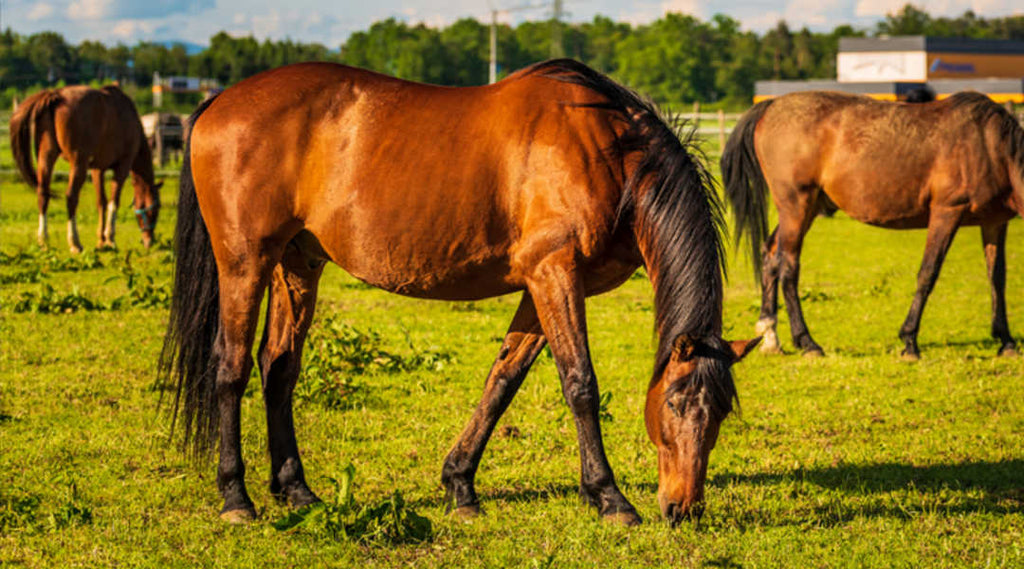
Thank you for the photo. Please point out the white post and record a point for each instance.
(492, 75)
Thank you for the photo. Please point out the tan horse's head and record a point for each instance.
(685, 407)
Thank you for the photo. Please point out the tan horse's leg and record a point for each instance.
(242, 282)
(993, 238)
(558, 294)
(101, 207)
(76, 178)
(523, 342)
(48, 153)
(769, 318)
(293, 289)
(796, 214)
(942, 225)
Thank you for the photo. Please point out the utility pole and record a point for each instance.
(557, 49)
(492, 74)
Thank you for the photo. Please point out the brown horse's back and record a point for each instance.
(382, 170)
(97, 126)
(886, 164)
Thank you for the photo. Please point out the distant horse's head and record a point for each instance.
(147, 208)
(686, 405)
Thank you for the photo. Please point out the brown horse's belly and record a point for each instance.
(474, 282)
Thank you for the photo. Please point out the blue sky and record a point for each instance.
(331, 21)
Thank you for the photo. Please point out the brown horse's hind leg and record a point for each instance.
(769, 295)
(558, 295)
(101, 206)
(48, 153)
(242, 281)
(942, 225)
(523, 342)
(994, 239)
(76, 178)
(794, 222)
(293, 290)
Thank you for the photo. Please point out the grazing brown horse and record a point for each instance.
(93, 129)
(556, 182)
(937, 165)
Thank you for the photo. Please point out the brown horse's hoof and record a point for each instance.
(627, 519)
(241, 516)
(814, 353)
(466, 513)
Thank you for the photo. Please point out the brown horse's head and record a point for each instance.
(147, 208)
(686, 404)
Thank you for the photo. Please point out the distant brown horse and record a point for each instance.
(938, 165)
(93, 129)
(556, 182)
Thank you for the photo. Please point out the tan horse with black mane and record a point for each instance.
(937, 165)
(93, 129)
(556, 182)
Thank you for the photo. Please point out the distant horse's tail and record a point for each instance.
(189, 356)
(745, 184)
(34, 113)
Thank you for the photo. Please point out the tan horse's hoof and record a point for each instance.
(1008, 353)
(242, 516)
(466, 513)
(908, 357)
(771, 350)
(627, 519)
(814, 353)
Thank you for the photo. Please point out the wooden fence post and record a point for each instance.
(158, 133)
(696, 114)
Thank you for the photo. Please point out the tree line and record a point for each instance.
(675, 59)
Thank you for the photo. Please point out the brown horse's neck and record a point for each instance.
(142, 169)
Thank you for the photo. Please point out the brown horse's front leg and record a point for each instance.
(994, 239)
(942, 225)
(558, 294)
(523, 342)
(293, 290)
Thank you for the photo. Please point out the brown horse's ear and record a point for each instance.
(741, 348)
(683, 348)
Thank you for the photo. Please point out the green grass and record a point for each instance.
(857, 459)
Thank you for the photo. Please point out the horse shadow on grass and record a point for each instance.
(851, 492)
(878, 490)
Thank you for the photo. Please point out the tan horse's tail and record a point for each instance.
(34, 113)
(745, 184)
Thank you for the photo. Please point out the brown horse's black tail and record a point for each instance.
(188, 360)
(745, 184)
(32, 114)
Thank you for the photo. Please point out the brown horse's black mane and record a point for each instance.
(676, 214)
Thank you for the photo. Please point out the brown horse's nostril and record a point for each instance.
(674, 514)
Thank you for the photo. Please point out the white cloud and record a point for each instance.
(132, 29)
(40, 11)
(89, 9)
(988, 8)
(691, 7)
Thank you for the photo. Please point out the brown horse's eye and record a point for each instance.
(676, 404)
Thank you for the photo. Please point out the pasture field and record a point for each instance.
(855, 459)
